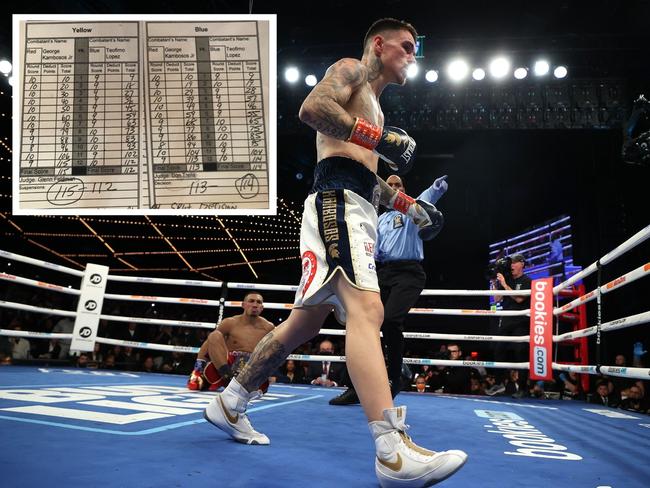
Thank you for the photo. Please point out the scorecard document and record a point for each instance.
(117, 114)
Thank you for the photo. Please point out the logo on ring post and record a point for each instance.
(95, 279)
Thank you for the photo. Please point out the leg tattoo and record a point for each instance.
(266, 357)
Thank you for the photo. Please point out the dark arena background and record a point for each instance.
(518, 153)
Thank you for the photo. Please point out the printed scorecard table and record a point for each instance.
(144, 115)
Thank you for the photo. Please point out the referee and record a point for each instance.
(399, 257)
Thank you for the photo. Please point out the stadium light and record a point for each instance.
(5, 67)
(560, 72)
(541, 68)
(291, 74)
(521, 73)
(431, 76)
(478, 74)
(412, 70)
(457, 69)
(499, 67)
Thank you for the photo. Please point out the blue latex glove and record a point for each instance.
(638, 350)
(562, 376)
(440, 184)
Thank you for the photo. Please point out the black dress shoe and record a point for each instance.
(348, 397)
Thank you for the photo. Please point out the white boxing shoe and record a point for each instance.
(402, 463)
(227, 412)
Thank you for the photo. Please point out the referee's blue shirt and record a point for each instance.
(397, 235)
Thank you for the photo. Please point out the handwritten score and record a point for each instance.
(144, 115)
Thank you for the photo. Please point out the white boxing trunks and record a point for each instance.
(338, 233)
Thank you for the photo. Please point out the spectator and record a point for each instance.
(95, 358)
(128, 359)
(602, 395)
(634, 402)
(326, 373)
(178, 363)
(490, 385)
(421, 384)
(148, 365)
(109, 361)
(570, 386)
(455, 379)
(512, 385)
(291, 373)
(53, 350)
(19, 346)
(187, 337)
(164, 336)
(475, 387)
(538, 390)
(82, 360)
(64, 326)
(131, 333)
(637, 354)
(619, 385)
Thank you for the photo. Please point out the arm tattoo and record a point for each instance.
(266, 358)
(385, 192)
(323, 108)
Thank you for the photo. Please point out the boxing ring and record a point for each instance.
(111, 428)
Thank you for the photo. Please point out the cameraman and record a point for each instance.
(514, 326)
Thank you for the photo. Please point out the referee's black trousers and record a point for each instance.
(401, 283)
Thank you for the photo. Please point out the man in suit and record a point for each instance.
(602, 396)
(326, 373)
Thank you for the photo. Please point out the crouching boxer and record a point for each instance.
(227, 349)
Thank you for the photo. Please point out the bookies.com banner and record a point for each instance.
(541, 329)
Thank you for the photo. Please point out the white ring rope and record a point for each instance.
(35, 335)
(165, 281)
(420, 361)
(39, 284)
(609, 370)
(453, 337)
(148, 345)
(42, 264)
(171, 323)
(633, 241)
(475, 293)
(460, 311)
(33, 308)
(180, 301)
(116, 318)
(616, 283)
(640, 318)
(262, 286)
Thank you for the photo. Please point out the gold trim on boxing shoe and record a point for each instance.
(409, 443)
(394, 466)
(230, 418)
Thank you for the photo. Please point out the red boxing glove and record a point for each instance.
(391, 144)
(365, 134)
(401, 202)
(196, 381)
(424, 214)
